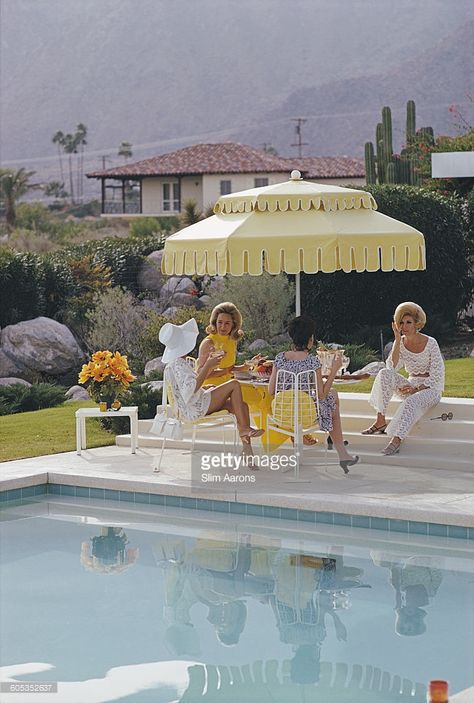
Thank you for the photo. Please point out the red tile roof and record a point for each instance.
(201, 158)
(328, 166)
(234, 158)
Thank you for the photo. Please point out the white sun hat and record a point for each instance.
(179, 340)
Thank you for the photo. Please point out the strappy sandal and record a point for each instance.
(391, 449)
(308, 440)
(373, 429)
(250, 434)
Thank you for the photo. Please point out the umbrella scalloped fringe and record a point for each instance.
(405, 256)
(284, 203)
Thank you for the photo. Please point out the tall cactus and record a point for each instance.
(411, 121)
(390, 167)
(370, 175)
(387, 133)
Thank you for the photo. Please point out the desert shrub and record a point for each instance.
(117, 323)
(265, 302)
(150, 343)
(21, 287)
(360, 355)
(344, 304)
(18, 398)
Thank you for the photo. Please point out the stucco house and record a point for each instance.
(162, 184)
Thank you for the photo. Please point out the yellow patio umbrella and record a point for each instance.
(293, 227)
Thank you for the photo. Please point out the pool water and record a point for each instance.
(146, 603)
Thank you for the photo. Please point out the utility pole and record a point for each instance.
(104, 159)
(299, 137)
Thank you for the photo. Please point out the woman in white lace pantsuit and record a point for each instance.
(421, 357)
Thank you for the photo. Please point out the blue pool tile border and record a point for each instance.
(314, 517)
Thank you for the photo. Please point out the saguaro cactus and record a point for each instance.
(390, 167)
(370, 174)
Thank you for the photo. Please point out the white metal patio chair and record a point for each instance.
(295, 409)
(221, 419)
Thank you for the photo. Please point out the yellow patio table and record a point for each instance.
(259, 400)
(293, 227)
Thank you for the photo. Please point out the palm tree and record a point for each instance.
(80, 136)
(73, 144)
(13, 184)
(58, 139)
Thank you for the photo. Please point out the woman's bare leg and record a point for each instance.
(228, 396)
(336, 434)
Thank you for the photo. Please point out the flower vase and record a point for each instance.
(106, 400)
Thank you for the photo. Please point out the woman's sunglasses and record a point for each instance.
(443, 417)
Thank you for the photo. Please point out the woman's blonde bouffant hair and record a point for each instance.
(227, 309)
(413, 309)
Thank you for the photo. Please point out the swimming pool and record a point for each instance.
(149, 603)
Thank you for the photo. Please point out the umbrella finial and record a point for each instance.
(296, 175)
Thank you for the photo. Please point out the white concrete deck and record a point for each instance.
(431, 480)
(378, 490)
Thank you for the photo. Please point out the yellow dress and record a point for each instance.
(229, 345)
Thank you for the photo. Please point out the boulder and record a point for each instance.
(10, 381)
(154, 365)
(205, 300)
(8, 367)
(217, 283)
(177, 284)
(257, 344)
(280, 339)
(472, 353)
(41, 345)
(77, 393)
(150, 276)
(170, 312)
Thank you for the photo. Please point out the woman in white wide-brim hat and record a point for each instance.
(192, 400)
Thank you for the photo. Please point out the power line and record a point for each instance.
(299, 137)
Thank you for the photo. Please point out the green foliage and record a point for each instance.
(21, 287)
(344, 304)
(19, 398)
(360, 355)
(190, 214)
(145, 226)
(117, 322)
(264, 301)
(149, 340)
(138, 394)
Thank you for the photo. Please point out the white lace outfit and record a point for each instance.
(414, 406)
(192, 404)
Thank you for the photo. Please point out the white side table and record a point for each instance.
(82, 413)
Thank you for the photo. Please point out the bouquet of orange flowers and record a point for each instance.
(106, 374)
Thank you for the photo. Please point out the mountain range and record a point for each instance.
(162, 74)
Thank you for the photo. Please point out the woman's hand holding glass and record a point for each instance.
(214, 359)
(396, 331)
(336, 362)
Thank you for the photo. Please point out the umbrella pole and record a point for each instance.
(298, 296)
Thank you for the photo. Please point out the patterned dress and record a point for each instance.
(414, 406)
(327, 405)
(192, 404)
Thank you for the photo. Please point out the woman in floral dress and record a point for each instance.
(299, 359)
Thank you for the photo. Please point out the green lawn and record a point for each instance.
(53, 430)
(48, 431)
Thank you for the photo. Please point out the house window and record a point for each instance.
(171, 197)
(226, 187)
(260, 182)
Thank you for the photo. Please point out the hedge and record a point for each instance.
(355, 305)
(39, 284)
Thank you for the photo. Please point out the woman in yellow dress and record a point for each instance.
(223, 333)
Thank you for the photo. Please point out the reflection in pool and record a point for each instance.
(206, 607)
